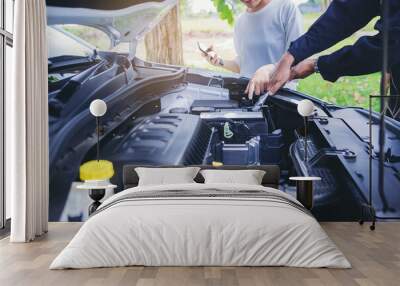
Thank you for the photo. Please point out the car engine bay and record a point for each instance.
(166, 115)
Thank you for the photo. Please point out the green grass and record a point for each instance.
(347, 91)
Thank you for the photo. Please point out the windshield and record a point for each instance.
(63, 43)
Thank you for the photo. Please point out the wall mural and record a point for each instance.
(167, 115)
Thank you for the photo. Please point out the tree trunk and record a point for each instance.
(164, 43)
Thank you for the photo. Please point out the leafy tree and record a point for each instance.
(226, 9)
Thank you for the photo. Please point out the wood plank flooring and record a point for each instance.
(375, 257)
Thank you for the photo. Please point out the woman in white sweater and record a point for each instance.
(262, 34)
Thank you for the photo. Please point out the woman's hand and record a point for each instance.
(259, 82)
(271, 78)
(212, 56)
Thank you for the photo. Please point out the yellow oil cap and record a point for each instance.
(96, 170)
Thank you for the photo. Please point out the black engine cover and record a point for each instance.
(163, 139)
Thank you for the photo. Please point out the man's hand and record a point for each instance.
(282, 73)
(212, 57)
(303, 69)
(258, 83)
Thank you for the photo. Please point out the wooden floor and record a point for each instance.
(375, 257)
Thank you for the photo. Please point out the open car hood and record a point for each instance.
(122, 22)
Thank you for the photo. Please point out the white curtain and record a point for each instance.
(27, 124)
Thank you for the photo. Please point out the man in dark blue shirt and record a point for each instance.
(341, 20)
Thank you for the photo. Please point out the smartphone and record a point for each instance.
(202, 49)
(205, 52)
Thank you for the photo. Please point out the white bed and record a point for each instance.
(225, 225)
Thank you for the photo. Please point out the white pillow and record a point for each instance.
(166, 176)
(247, 177)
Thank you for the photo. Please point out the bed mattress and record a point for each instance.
(201, 225)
